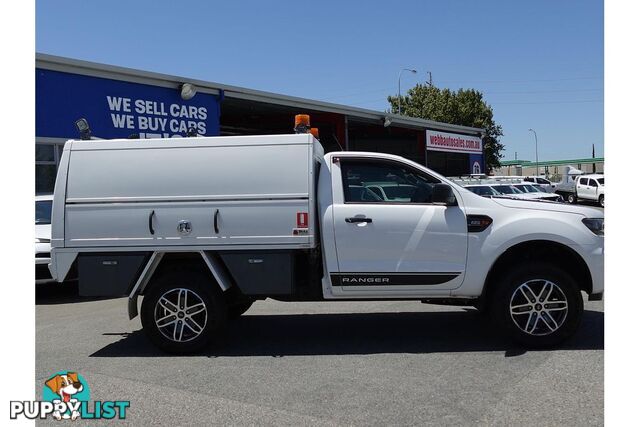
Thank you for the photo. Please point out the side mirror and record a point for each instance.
(443, 195)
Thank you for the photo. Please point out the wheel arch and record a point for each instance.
(549, 251)
(161, 262)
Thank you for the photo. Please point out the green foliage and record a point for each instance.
(464, 107)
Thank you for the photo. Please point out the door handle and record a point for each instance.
(357, 219)
(151, 215)
(215, 221)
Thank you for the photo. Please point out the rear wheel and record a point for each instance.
(601, 200)
(572, 198)
(183, 311)
(538, 305)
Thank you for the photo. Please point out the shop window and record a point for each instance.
(45, 153)
(47, 157)
(45, 178)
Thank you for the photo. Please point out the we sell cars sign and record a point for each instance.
(118, 109)
(453, 142)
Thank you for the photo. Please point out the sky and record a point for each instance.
(540, 64)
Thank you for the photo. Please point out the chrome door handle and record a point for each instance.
(356, 219)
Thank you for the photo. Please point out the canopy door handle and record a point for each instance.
(151, 215)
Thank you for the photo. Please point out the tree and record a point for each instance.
(464, 107)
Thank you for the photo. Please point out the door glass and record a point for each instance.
(377, 181)
(592, 183)
(583, 181)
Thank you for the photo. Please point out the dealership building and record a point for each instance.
(552, 169)
(125, 103)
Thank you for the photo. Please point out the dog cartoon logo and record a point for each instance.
(68, 388)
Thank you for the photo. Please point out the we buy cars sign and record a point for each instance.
(453, 142)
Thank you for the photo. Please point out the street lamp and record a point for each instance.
(536, 136)
(400, 75)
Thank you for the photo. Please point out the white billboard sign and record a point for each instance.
(453, 142)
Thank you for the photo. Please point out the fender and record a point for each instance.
(213, 264)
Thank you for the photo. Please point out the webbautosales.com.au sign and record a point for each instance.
(443, 141)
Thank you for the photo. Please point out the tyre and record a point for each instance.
(183, 312)
(238, 309)
(601, 200)
(538, 305)
(572, 198)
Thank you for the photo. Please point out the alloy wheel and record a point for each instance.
(180, 315)
(538, 307)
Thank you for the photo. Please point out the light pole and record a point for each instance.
(399, 76)
(536, 136)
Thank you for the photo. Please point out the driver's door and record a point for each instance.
(389, 236)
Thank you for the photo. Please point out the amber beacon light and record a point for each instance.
(302, 123)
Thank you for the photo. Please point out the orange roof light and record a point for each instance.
(303, 120)
(314, 132)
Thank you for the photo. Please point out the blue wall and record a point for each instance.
(473, 158)
(117, 109)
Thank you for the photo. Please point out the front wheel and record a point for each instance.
(601, 200)
(538, 305)
(183, 311)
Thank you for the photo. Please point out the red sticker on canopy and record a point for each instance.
(302, 219)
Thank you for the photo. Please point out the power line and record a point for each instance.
(490, 92)
(524, 81)
(542, 91)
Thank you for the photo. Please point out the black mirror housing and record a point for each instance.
(443, 195)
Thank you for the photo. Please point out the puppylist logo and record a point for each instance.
(65, 396)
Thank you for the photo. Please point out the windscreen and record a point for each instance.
(483, 191)
(506, 189)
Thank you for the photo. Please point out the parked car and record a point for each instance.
(512, 190)
(184, 225)
(541, 181)
(482, 190)
(583, 187)
(43, 238)
(537, 191)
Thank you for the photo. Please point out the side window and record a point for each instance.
(593, 183)
(380, 181)
(529, 179)
(584, 181)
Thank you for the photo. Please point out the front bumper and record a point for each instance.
(594, 258)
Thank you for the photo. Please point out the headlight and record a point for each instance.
(596, 225)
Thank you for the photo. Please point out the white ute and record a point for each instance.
(576, 185)
(203, 227)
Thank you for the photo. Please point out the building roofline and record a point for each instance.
(526, 163)
(60, 63)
